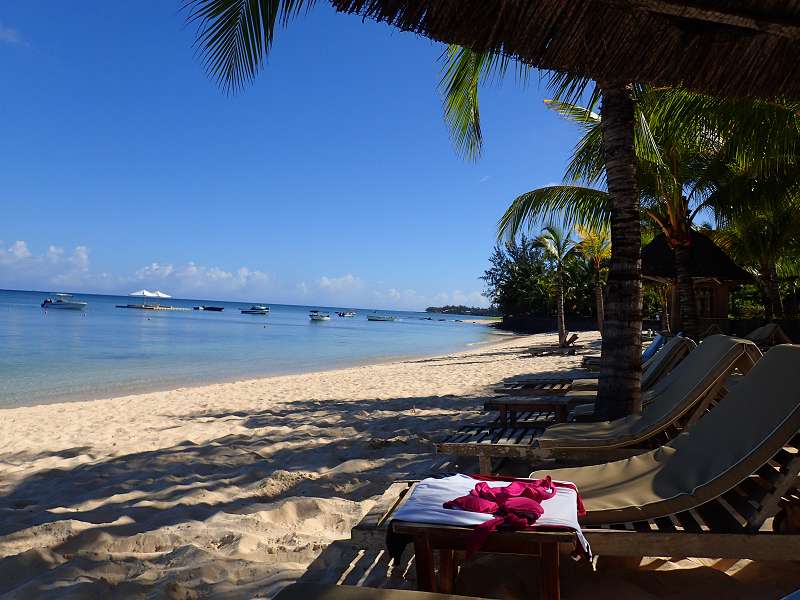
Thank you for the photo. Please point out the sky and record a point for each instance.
(330, 180)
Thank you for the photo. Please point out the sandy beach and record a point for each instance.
(233, 490)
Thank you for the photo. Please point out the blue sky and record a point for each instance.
(331, 180)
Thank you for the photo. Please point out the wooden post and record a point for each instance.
(485, 464)
(423, 558)
(447, 571)
(550, 586)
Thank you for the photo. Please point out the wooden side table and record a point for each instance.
(447, 540)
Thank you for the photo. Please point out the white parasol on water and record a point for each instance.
(160, 294)
(144, 294)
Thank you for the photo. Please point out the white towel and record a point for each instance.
(428, 496)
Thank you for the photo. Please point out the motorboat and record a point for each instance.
(346, 313)
(64, 301)
(381, 318)
(211, 308)
(256, 309)
(315, 315)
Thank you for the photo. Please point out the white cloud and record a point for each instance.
(345, 283)
(80, 258)
(457, 297)
(484, 179)
(59, 269)
(22, 268)
(154, 271)
(9, 35)
(193, 279)
(54, 253)
(19, 250)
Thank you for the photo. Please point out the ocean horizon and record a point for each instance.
(104, 352)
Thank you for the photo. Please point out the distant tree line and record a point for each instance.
(522, 279)
(460, 309)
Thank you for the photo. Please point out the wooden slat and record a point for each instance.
(760, 546)
(371, 530)
(688, 522)
(665, 524)
(718, 517)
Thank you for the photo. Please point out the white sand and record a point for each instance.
(228, 490)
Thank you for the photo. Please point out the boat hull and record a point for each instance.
(380, 318)
(66, 305)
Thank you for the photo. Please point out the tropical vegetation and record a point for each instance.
(648, 160)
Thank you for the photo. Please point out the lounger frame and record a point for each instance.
(494, 440)
(733, 525)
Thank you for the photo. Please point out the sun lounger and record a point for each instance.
(710, 492)
(768, 335)
(661, 363)
(312, 591)
(725, 476)
(677, 401)
(568, 347)
(593, 361)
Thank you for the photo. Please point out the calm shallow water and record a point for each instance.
(63, 355)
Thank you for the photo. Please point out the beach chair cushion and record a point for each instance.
(769, 335)
(666, 401)
(653, 347)
(758, 417)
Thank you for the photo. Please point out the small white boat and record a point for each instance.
(381, 318)
(64, 301)
(315, 315)
(256, 309)
(346, 313)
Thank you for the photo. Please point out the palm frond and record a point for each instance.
(571, 89)
(463, 72)
(234, 36)
(573, 204)
(573, 112)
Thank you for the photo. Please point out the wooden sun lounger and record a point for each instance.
(674, 411)
(672, 353)
(708, 493)
(768, 335)
(734, 525)
(557, 408)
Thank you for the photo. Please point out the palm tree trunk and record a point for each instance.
(774, 294)
(598, 303)
(619, 391)
(562, 328)
(763, 288)
(686, 304)
(665, 294)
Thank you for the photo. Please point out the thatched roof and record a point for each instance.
(726, 47)
(707, 259)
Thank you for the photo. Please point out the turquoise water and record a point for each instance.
(63, 355)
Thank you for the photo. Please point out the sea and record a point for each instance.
(61, 355)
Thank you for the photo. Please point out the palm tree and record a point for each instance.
(559, 246)
(235, 36)
(763, 233)
(619, 392)
(673, 183)
(595, 246)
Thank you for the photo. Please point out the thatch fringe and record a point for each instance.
(743, 48)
